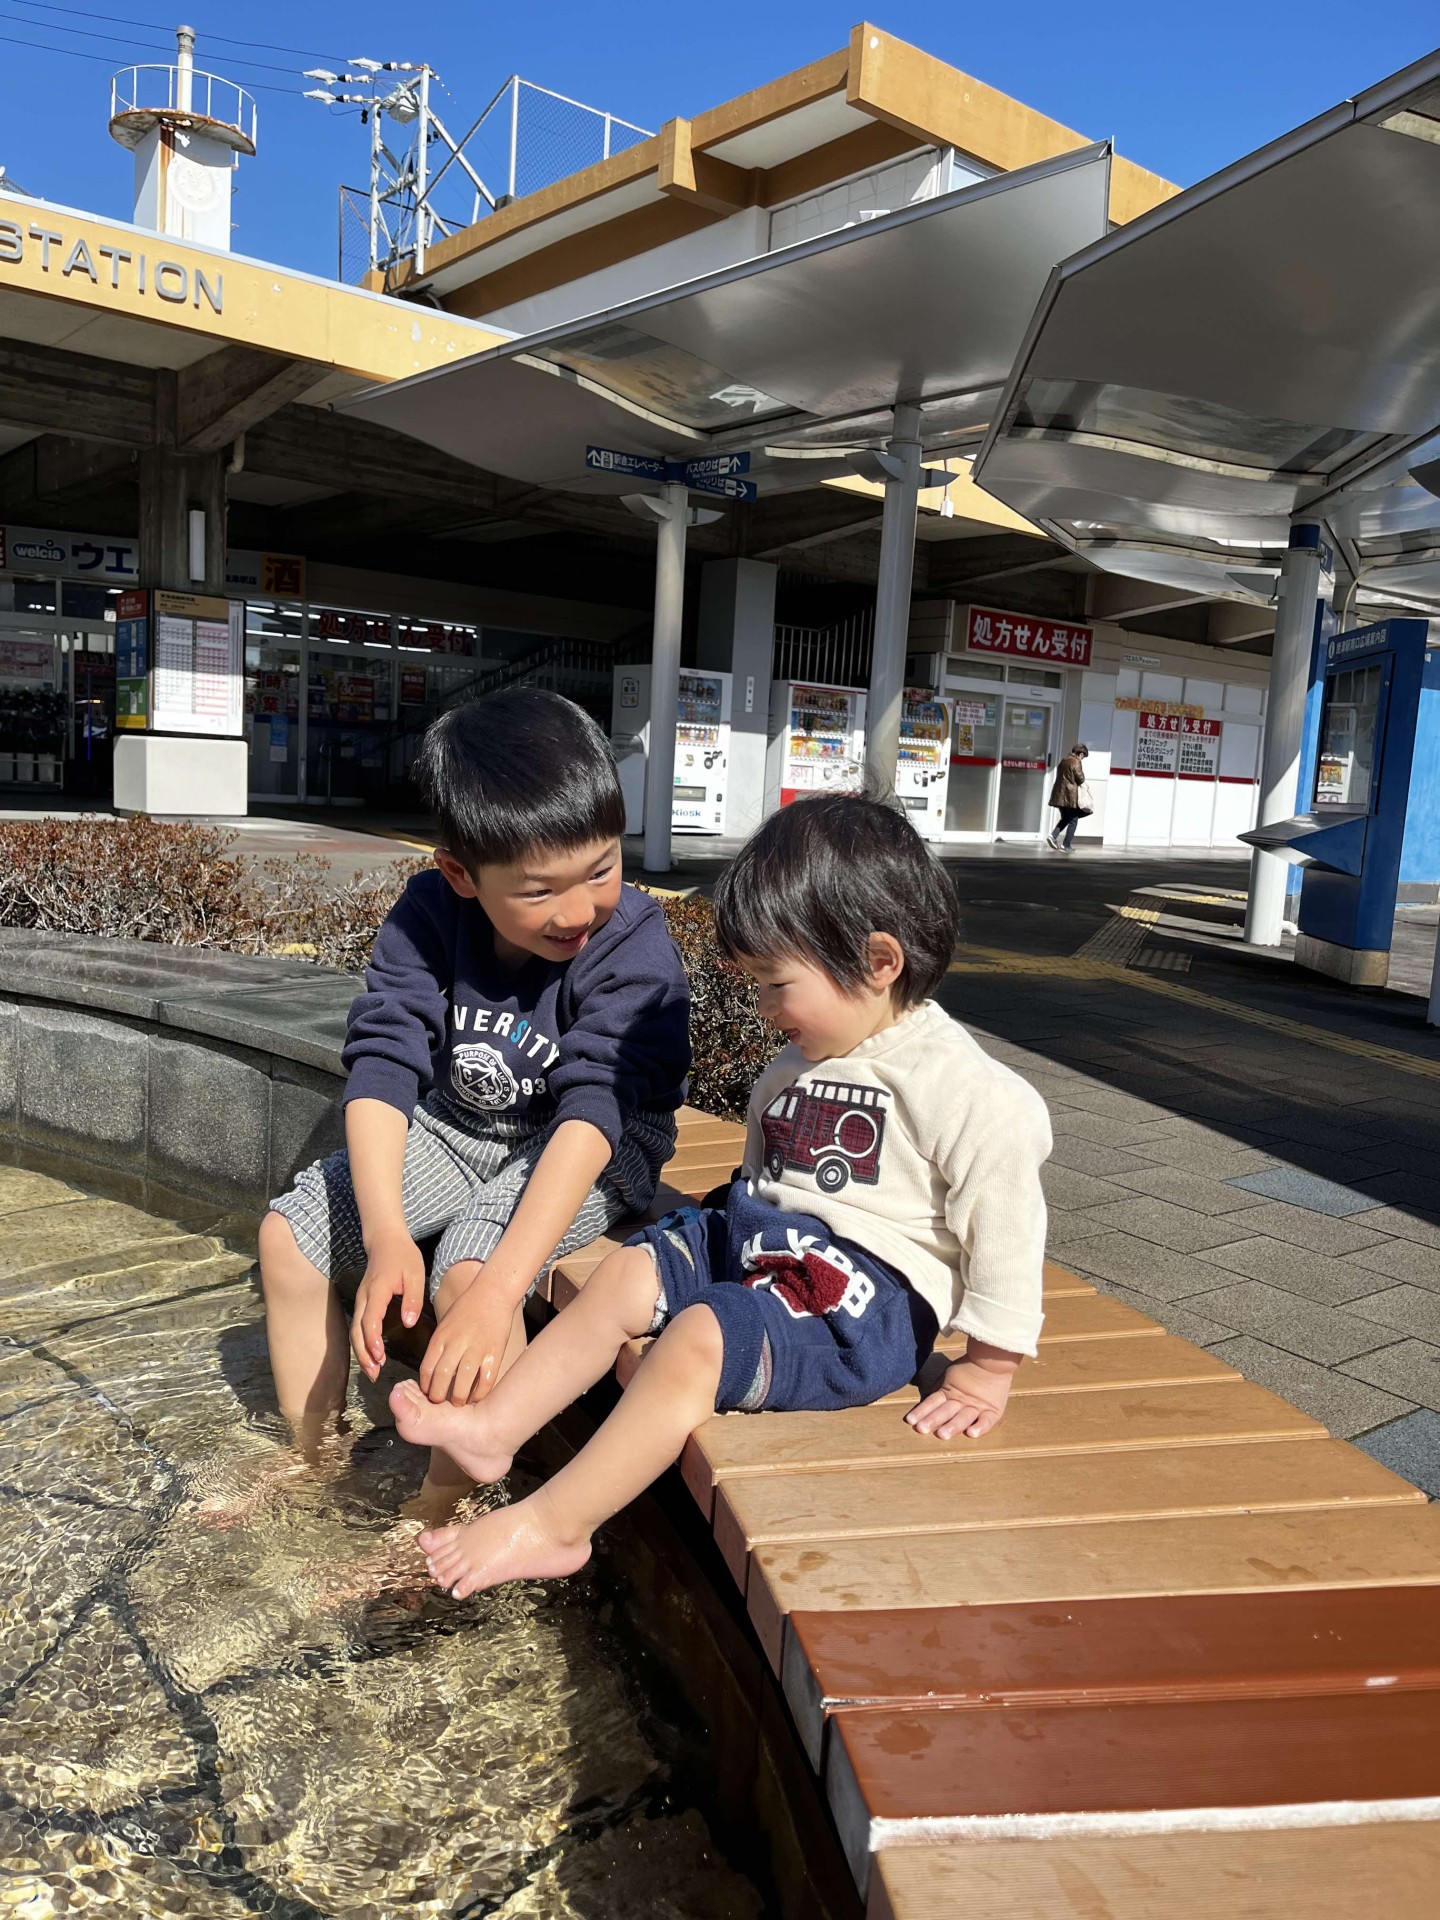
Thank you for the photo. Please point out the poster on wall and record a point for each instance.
(1156, 745)
(1200, 749)
(1170, 739)
(132, 660)
(197, 678)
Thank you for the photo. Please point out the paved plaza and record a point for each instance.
(1245, 1152)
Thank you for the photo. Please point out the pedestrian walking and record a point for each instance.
(1070, 797)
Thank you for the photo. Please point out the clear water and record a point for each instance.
(225, 1722)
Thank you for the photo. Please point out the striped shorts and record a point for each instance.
(463, 1185)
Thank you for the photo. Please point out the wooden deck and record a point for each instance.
(1156, 1647)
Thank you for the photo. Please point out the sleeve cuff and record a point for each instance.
(373, 1078)
(598, 1106)
(998, 1326)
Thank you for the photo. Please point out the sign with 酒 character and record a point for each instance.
(1023, 636)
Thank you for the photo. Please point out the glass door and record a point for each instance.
(1027, 756)
(974, 759)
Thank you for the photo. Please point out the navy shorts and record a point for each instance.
(808, 1321)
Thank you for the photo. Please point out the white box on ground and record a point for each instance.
(173, 774)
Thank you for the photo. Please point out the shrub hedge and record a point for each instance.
(183, 885)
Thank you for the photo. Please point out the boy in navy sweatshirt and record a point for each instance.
(515, 1064)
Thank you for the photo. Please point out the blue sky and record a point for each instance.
(1181, 90)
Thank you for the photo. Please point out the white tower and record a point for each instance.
(185, 129)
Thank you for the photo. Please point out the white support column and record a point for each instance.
(1302, 582)
(674, 517)
(892, 600)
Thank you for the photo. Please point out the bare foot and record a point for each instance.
(462, 1432)
(310, 1456)
(512, 1543)
(436, 1502)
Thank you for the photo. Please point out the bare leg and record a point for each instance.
(446, 1482)
(578, 1348)
(671, 1395)
(308, 1337)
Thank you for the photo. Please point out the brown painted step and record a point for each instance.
(1340, 1640)
(966, 1492)
(1322, 1873)
(1026, 1771)
(1019, 1566)
(1119, 1419)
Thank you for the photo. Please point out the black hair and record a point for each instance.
(515, 771)
(823, 874)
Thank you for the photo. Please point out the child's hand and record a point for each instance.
(396, 1265)
(462, 1361)
(971, 1399)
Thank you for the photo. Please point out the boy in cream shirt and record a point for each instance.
(891, 1188)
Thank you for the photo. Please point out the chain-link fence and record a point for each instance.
(354, 235)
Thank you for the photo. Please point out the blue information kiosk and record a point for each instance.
(1374, 823)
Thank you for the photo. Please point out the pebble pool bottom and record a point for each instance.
(227, 1721)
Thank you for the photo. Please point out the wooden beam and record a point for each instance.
(224, 395)
(71, 393)
(42, 472)
(935, 102)
(700, 179)
(310, 444)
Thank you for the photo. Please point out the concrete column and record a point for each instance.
(1303, 580)
(172, 485)
(892, 600)
(665, 675)
(737, 636)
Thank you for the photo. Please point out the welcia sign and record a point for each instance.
(117, 268)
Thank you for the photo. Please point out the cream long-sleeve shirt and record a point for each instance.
(920, 1148)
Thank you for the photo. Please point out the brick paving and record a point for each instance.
(1166, 1087)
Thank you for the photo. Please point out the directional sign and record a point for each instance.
(728, 489)
(716, 466)
(633, 466)
(713, 473)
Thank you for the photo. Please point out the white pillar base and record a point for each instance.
(177, 775)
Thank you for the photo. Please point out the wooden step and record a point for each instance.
(1016, 1772)
(1322, 1873)
(1176, 1646)
(1232, 1553)
(1119, 1419)
(966, 1492)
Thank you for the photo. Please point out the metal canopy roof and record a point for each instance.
(1266, 343)
(793, 354)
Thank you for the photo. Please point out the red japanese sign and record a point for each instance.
(1021, 634)
(1157, 722)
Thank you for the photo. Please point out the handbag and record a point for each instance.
(1086, 798)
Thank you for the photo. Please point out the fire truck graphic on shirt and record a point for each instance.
(830, 1130)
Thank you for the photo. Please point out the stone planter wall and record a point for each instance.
(175, 1070)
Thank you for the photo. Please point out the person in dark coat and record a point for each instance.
(1068, 797)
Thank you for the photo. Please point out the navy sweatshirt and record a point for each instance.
(593, 1038)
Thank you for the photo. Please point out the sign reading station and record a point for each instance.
(123, 270)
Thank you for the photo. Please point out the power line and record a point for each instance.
(161, 26)
(84, 33)
(106, 60)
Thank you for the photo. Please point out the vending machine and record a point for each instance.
(817, 741)
(922, 768)
(702, 747)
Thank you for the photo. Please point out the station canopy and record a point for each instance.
(1265, 345)
(797, 357)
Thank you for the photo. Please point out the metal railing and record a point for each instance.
(835, 656)
(580, 669)
(177, 89)
(426, 185)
